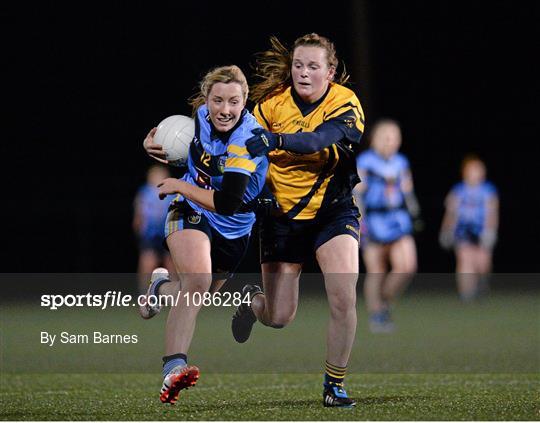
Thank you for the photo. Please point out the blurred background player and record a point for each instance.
(386, 198)
(148, 222)
(470, 226)
(210, 220)
(311, 126)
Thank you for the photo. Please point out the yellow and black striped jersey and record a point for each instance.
(303, 184)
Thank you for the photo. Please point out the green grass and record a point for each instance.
(447, 361)
(270, 397)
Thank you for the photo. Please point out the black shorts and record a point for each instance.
(226, 254)
(293, 241)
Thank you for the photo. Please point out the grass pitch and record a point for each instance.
(270, 397)
(447, 361)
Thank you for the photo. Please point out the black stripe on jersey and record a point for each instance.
(349, 104)
(325, 173)
(346, 123)
(307, 108)
(264, 117)
(197, 127)
(371, 174)
(344, 180)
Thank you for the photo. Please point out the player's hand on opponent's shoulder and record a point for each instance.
(152, 149)
(169, 186)
(262, 142)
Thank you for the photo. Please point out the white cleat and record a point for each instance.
(150, 303)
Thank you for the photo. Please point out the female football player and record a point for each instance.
(387, 199)
(149, 218)
(311, 123)
(470, 226)
(209, 221)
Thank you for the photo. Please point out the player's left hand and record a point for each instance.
(488, 239)
(262, 142)
(418, 224)
(446, 239)
(169, 186)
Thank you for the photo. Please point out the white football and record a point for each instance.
(174, 134)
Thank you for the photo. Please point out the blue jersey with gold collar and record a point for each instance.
(383, 179)
(386, 216)
(472, 206)
(152, 211)
(213, 153)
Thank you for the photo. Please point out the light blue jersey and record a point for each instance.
(472, 208)
(211, 154)
(386, 216)
(152, 211)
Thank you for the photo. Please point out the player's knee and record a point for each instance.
(405, 268)
(280, 323)
(376, 270)
(276, 325)
(342, 305)
(196, 284)
(280, 320)
(411, 268)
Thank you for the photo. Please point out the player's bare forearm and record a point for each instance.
(203, 197)
(137, 223)
(450, 215)
(449, 220)
(492, 218)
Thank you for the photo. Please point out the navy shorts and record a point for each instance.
(154, 243)
(468, 233)
(388, 226)
(226, 254)
(294, 241)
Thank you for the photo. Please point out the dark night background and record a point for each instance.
(86, 82)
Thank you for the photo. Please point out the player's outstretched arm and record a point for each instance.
(326, 134)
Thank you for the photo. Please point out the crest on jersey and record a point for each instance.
(194, 218)
(221, 163)
(349, 121)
